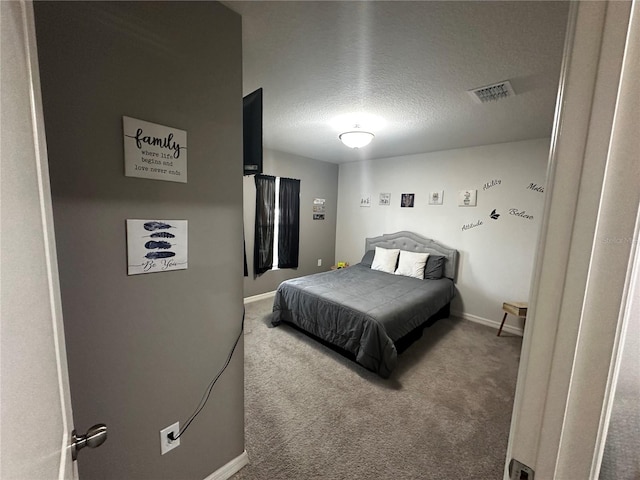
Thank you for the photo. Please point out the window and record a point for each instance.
(277, 225)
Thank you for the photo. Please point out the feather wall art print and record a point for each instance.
(162, 235)
(151, 226)
(167, 250)
(151, 244)
(158, 255)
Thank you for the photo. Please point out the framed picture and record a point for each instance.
(467, 198)
(407, 200)
(153, 151)
(365, 200)
(385, 199)
(435, 198)
(156, 246)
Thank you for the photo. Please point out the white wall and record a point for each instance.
(496, 257)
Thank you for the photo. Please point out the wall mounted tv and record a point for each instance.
(252, 132)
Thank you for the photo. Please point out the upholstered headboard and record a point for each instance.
(417, 243)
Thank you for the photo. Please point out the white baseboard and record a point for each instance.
(234, 466)
(261, 296)
(489, 323)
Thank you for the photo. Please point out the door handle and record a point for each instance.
(94, 437)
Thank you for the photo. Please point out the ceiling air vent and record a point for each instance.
(493, 92)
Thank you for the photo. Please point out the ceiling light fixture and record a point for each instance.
(356, 138)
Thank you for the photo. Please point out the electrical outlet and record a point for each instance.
(166, 443)
(519, 471)
(319, 262)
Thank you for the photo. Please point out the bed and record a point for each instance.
(370, 314)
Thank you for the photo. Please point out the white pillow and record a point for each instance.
(412, 264)
(385, 259)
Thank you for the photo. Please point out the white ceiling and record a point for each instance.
(404, 69)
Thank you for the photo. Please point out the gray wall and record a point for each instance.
(317, 237)
(143, 348)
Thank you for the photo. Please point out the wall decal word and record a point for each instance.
(469, 226)
(520, 213)
(467, 198)
(536, 188)
(148, 256)
(365, 200)
(494, 215)
(407, 200)
(492, 183)
(436, 198)
(154, 151)
(385, 199)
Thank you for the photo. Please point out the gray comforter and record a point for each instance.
(361, 310)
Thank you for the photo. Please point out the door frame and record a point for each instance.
(581, 278)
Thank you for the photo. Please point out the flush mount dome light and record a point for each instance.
(356, 138)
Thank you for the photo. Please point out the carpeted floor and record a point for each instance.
(312, 414)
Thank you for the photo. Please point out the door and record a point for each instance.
(36, 410)
(586, 247)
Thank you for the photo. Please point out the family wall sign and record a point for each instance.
(154, 151)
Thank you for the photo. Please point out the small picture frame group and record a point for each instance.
(467, 198)
(407, 200)
(436, 198)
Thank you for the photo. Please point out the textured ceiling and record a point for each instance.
(401, 70)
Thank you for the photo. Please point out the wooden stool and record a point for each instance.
(519, 309)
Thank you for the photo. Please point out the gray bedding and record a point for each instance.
(361, 310)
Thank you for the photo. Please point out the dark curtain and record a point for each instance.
(289, 224)
(265, 214)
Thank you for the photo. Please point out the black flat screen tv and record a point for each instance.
(252, 132)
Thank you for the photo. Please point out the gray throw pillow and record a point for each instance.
(434, 268)
(367, 260)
